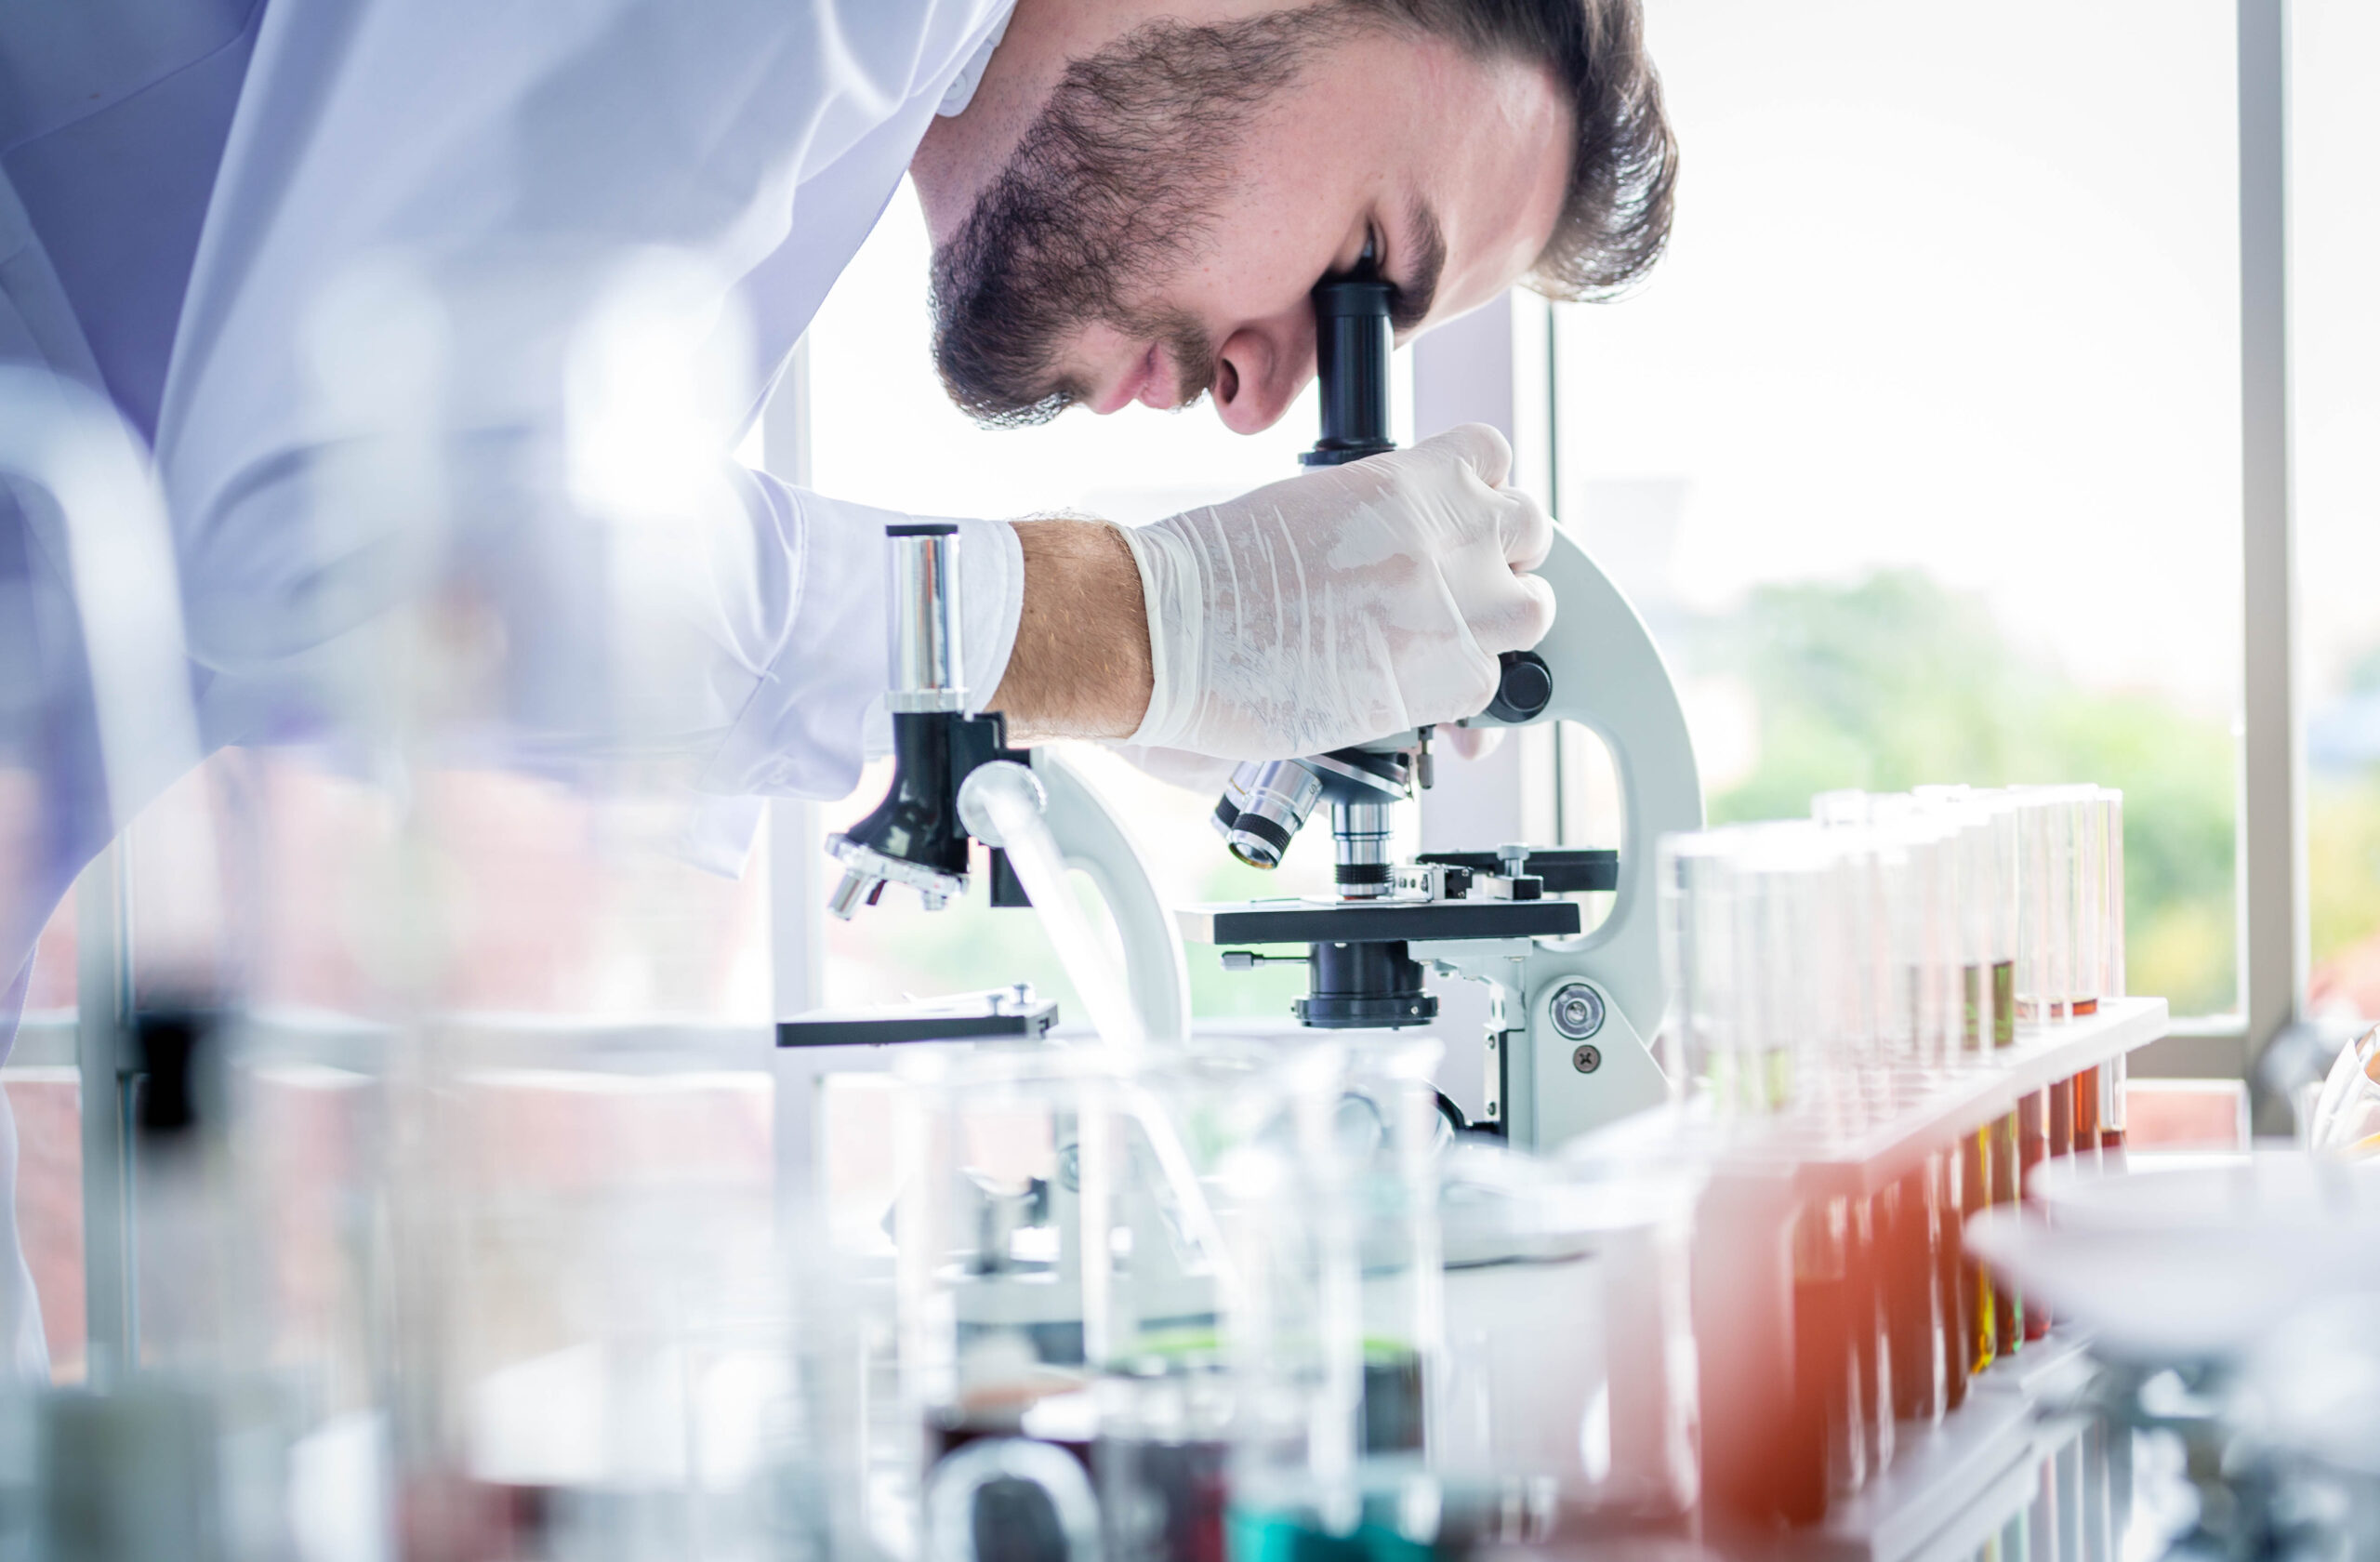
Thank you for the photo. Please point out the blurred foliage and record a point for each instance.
(1896, 682)
(2343, 845)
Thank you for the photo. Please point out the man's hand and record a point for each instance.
(1081, 664)
(1336, 607)
(1344, 605)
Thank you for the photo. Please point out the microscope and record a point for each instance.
(919, 837)
(1572, 1013)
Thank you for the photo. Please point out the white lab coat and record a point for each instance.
(765, 136)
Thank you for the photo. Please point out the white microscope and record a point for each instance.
(1573, 1015)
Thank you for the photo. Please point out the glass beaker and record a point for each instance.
(1572, 1366)
(1057, 1275)
(1336, 1322)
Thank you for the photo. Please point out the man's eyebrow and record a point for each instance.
(1410, 301)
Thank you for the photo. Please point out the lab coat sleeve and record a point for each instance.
(772, 623)
(820, 662)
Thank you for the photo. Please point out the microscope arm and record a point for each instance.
(1609, 676)
(1094, 840)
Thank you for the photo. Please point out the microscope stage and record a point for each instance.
(1377, 922)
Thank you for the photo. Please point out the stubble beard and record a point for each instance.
(1112, 192)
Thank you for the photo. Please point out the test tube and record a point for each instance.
(2044, 906)
(1995, 891)
(1871, 1334)
(1985, 907)
(2109, 800)
(1913, 1321)
(1979, 1303)
(2009, 1308)
(1827, 1457)
(2087, 1091)
(1861, 908)
(1920, 873)
(1698, 964)
(1954, 1287)
(2111, 1114)
(2032, 1132)
(2085, 824)
(1773, 997)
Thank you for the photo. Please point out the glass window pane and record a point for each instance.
(1921, 448)
(2335, 135)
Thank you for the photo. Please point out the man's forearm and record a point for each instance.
(1081, 664)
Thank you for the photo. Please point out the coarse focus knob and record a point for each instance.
(1524, 688)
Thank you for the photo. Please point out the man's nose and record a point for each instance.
(1262, 368)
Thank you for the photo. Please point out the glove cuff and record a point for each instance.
(1170, 594)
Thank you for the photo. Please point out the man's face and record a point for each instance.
(1157, 233)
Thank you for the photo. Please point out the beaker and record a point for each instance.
(1571, 1365)
(1057, 1274)
(1336, 1322)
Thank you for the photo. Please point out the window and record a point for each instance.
(1920, 450)
(2334, 128)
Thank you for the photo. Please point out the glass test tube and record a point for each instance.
(1954, 1290)
(2033, 1130)
(2086, 1117)
(2111, 1113)
(1913, 1316)
(2044, 906)
(1827, 1457)
(1979, 1303)
(2009, 1308)
(2110, 801)
(1697, 964)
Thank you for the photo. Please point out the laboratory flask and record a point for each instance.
(1336, 1324)
(1570, 1366)
(1058, 1269)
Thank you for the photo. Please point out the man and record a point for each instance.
(1129, 201)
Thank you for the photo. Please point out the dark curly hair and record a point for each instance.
(1615, 217)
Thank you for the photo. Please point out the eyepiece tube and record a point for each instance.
(926, 666)
(1351, 342)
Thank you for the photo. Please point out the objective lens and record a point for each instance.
(1263, 807)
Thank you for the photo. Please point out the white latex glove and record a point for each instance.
(1344, 605)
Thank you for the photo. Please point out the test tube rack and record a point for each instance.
(1955, 1482)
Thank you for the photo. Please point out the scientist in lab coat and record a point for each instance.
(1129, 201)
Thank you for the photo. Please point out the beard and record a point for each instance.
(1113, 191)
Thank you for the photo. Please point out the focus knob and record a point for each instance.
(1524, 690)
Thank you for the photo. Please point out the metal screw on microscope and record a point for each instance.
(1586, 1060)
(1577, 1013)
